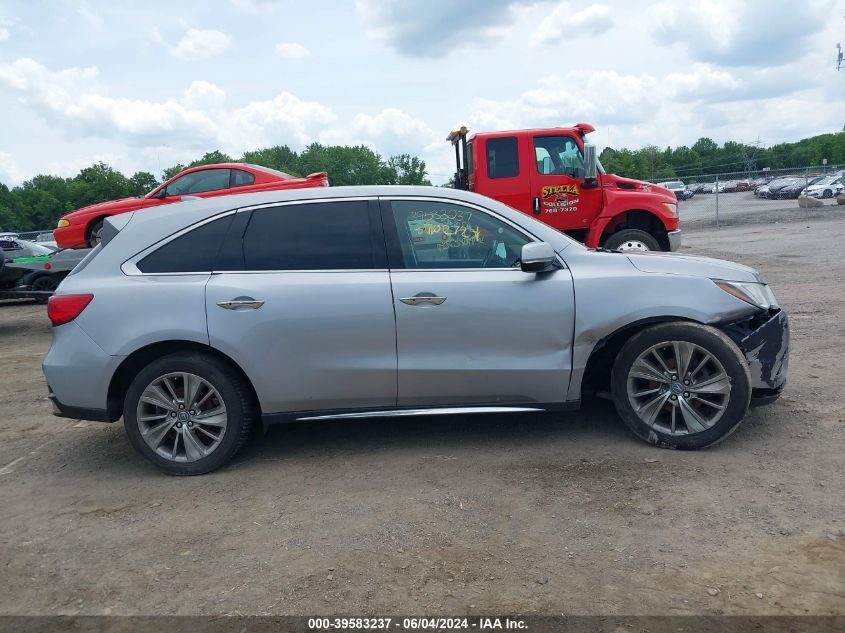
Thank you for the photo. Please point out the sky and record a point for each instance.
(146, 85)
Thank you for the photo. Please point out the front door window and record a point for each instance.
(199, 182)
(443, 235)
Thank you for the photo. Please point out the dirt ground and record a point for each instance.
(523, 514)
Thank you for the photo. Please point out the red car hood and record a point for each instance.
(112, 206)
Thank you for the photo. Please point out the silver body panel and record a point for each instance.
(481, 344)
(328, 340)
(322, 339)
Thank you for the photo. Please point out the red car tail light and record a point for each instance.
(63, 309)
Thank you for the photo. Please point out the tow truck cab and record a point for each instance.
(553, 175)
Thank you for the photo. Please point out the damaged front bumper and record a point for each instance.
(764, 340)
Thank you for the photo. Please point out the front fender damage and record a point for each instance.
(764, 340)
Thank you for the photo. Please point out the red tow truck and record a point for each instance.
(555, 176)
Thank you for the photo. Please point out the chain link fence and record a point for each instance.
(716, 198)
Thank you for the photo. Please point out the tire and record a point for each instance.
(45, 283)
(94, 232)
(632, 240)
(827, 193)
(692, 417)
(229, 390)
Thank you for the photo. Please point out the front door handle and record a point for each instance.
(423, 297)
(241, 302)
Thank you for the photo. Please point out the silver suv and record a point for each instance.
(195, 321)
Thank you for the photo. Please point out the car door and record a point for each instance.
(302, 303)
(557, 184)
(471, 327)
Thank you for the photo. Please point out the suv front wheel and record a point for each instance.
(188, 413)
(681, 385)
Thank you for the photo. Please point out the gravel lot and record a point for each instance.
(531, 514)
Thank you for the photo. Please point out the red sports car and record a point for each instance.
(81, 228)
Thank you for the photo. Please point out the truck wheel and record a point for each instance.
(681, 385)
(94, 232)
(632, 240)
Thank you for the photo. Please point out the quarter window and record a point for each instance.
(558, 156)
(502, 157)
(199, 182)
(241, 178)
(318, 236)
(443, 235)
(194, 252)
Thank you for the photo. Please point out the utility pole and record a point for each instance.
(839, 58)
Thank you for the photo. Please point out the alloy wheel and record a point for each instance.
(678, 388)
(182, 417)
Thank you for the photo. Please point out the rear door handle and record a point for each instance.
(423, 297)
(241, 302)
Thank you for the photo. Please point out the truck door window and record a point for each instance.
(558, 156)
(443, 235)
(502, 157)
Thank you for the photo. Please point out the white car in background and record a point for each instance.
(825, 188)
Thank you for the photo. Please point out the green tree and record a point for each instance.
(280, 157)
(407, 170)
(141, 183)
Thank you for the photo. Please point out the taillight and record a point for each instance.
(63, 309)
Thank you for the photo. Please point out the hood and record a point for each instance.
(693, 266)
(116, 206)
(612, 180)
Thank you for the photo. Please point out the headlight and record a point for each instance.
(758, 295)
(62, 224)
(672, 207)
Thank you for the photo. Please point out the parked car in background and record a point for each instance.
(728, 186)
(696, 187)
(762, 191)
(744, 185)
(82, 228)
(794, 188)
(678, 188)
(825, 187)
(47, 239)
(15, 249)
(355, 283)
(771, 190)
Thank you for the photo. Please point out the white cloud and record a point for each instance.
(10, 173)
(435, 28)
(563, 23)
(291, 50)
(276, 121)
(199, 44)
(204, 95)
(764, 32)
(4, 33)
(73, 99)
(254, 6)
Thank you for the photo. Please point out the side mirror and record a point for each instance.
(590, 165)
(537, 257)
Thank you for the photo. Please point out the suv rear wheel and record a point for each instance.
(188, 413)
(681, 385)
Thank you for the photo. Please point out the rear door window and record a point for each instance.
(340, 235)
